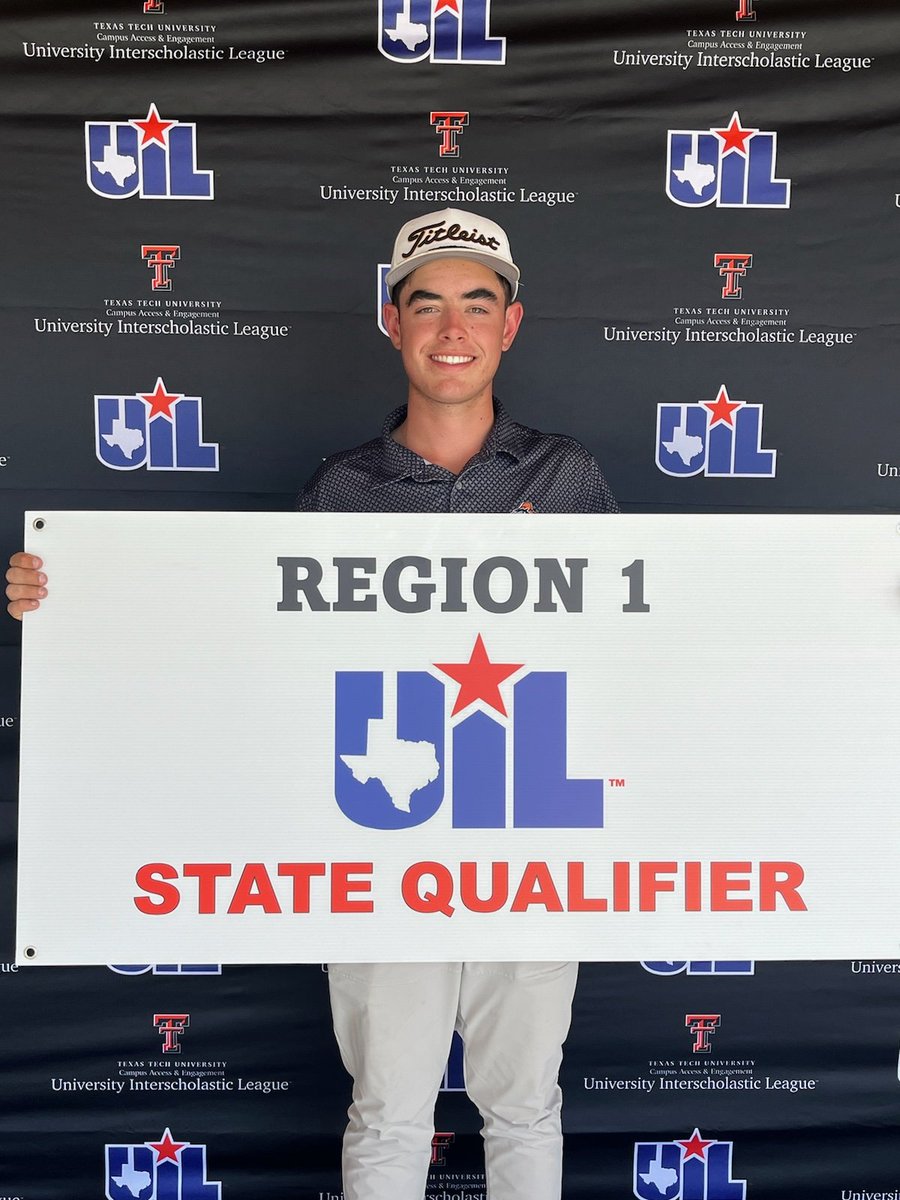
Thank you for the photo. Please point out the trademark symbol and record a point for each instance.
(616, 782)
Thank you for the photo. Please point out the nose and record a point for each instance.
(452, 324)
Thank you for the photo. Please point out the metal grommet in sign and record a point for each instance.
(39, 523)
(30, 952)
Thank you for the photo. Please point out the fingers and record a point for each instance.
(18, 591)
(17, 608)
(28, 561)
(25, 584)
(23, 599)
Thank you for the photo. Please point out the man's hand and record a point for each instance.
(25, 584)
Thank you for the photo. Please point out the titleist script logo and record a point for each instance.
(427, 235)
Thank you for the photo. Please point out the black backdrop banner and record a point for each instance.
(200, 199)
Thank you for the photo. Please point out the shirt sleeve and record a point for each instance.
(310, 497)
(596, 494)
(306, 500)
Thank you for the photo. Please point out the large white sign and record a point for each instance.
(295, 737)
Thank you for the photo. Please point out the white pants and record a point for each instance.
(394, 1023)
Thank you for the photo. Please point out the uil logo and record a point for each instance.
(160, 430)
(693, 1169)
(166, 968)
(719, 438)
(382, 295)
(163, 1170)
(151, 158)
(731, 168)
(738, 966)
(442, 31)
(391, 751)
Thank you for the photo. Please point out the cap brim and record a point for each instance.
(508, 271)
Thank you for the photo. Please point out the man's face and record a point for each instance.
(451, 328)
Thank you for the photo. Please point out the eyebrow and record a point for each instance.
(479, 293)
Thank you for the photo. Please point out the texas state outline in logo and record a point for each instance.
(394, 739)
(731, 167)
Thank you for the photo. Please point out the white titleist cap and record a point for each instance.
(452, 233)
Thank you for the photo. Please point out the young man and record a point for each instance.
(451, 448)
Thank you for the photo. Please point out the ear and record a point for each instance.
(391, 316)
(512, 321)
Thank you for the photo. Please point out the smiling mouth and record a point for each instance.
(453, 359)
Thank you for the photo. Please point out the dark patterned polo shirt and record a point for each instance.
(517, 470)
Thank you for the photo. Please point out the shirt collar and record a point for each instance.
(399, 462)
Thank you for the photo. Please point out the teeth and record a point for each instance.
(453, 358)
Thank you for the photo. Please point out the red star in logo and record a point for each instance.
(160, 400)
(722, 408)
(167, 1149)
(479, 679)
(695, 1146)
(440, 5)
(734, 137)
(153, 127)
